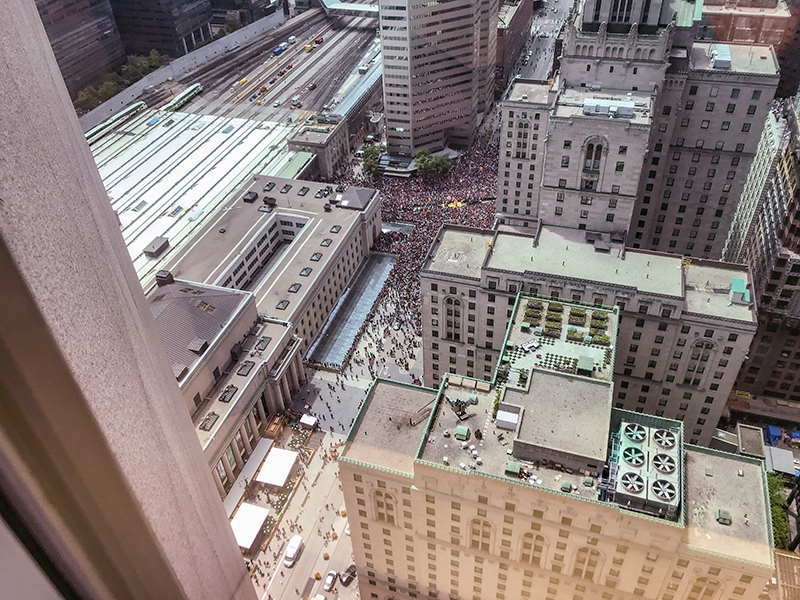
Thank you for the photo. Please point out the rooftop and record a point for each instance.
(190, 317)
(383, 434)
(716, 480)
(287, 210)
(528, 91)
(460, 252)
(708, 288)
(745, 58)
(315, 134)
(571, 103)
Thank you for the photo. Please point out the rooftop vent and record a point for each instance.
(665, 438)
(635, 432)
(664, 463)
(164, 278)
(739, 294)
(250, 197)
(632, 482)
(156, 247)
(723, 517)
(198, 345)
(721, 56)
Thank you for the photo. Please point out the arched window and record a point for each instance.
(703, 589)
(453, 319)
(589, 154)
(480, 534)
(587, 563)
(533, 549)
(384, 507)
(598, 151)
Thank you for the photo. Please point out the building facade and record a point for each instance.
(686, 326)
(173, 27)
(84, 38)
(765, 238)
(292, 248)
(513, 33)
(438, 75)
(498, 516)
(328, 142)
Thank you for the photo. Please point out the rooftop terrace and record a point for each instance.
(745, 58)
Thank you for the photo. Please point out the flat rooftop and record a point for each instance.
(383, 434)
(460, 252)
(570, 104)
(296, 214)
(708, 286)
(527, 91)
(315, 134)
(716, 480)
(564, 252)
(745, 58)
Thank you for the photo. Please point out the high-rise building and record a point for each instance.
(626, 147)
(513, 33)
(84, 38)
(173, 27)
(105, 491)
(438, 73)
(710, 116)
(763, 22)
(686, 326)
(539, 489)
(764, 236)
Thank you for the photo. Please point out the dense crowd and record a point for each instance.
(465, 195)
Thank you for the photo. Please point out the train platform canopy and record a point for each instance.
(275, 470)
(247, 522)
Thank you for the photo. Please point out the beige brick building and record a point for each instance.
(545, 501)
(685, 329)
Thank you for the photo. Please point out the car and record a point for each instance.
(276, 104)
(282, 72)
(347, 575)
(330, 580)
(272, 80)
(289, 66)
(347, 529)
(396, 325)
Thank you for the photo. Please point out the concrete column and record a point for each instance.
(254, 426)
(227, 467)
(260, 406)
(218, 482)
(237, 456)
(246, 441)
(272, 393)
(301, 370)
(287, 394)
(185, 47)
(291, 371)
(64, 427)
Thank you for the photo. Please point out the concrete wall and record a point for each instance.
(178, 68)
(97, 454)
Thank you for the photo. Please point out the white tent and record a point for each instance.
(247, 522)
(277, 467)
(308, 421)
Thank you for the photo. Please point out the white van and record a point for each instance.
(292, 39)
(293, 551)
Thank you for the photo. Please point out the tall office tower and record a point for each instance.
(710, 116)
(558, 497)
(84, 38)
(173, 27)
(105, 491)
(438, 73)
(684, 332)
(765, 22)
(764, 236)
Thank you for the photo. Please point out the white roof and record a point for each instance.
(246, 523)
(277, 467)
(308, 420)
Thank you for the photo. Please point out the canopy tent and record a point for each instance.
(773, 434)
(247, 522)
(277, 467)
(247, 475)
(308, 421)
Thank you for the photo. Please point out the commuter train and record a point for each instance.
(96, 133)
(183, 98)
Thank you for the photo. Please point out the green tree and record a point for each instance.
(372, 157)
(780, 510)
(132, 71)
(107, 90)
(427, 164)
(154, 60)
(87, 98)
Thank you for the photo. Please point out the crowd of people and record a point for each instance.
(465, 195)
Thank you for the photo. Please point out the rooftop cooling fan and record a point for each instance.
(635, 432)
(664, 490)
(632, 482)
(633, 456)
(664, 463)
(665, 438)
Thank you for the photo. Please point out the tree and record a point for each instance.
(428, 164)
(779, 508)
(87, 98)
(372, 157)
